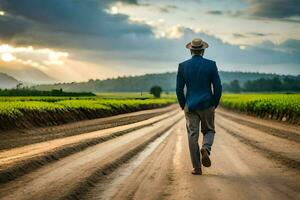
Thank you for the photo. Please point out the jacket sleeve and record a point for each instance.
(180, 83)
(217, 86)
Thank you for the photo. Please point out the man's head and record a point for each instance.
(197, 52)
(197, 46)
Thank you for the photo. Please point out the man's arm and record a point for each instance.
(180, 83)
(217, 86)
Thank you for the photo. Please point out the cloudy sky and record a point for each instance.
(76, 40)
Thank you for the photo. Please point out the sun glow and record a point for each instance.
(113, 10)
(243, 47)
(32, 56)
(2, 13)
(7, 57)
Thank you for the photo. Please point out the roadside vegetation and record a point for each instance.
(26, 112)
(32, 92)
(283, 107)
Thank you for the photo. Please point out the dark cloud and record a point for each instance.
(12, 26)
(87, 18)
(167, 8)
(164, 10)
(158, 51)
(127, 1)
(291, 45)
(254, 55)
(258, 34)
(215, 12)
(274, 9)
(92, 34)
(238, 35)
(172, 6)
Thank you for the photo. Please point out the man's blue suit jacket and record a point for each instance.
(202, 81)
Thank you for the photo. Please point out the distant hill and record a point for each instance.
(27, 75)
(145, 82)
(7, 81)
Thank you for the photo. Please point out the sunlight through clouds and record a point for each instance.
(56, 64)
(243, 47)
(30, 57)
(213, 18)
(7, 57)
(114, 10)
(160, 29)
(20, 54)
(55, 58)
(173, 33)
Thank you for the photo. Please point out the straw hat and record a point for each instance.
(196, 44)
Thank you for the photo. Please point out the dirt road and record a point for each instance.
(251, 159)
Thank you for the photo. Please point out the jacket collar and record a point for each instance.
(196, 56)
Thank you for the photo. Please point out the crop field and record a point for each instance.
(38, 111)
(108, 95)
(284, 107)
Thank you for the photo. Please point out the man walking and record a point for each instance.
(203, 93)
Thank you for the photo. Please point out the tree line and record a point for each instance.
(264, 85)
(142, 83)
(232, 82)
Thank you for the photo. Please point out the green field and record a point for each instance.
(18, 112)
(108, 95)
(284, 107)
(26, 112)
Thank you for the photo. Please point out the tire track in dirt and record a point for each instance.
(144, 177)
(277, 148)
(285, 132)
(18, 138)
(67, 178)
(19, 161)
(238, 171)
(80, 190)
(269, 153)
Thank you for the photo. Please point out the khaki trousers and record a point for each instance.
(194, 119)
